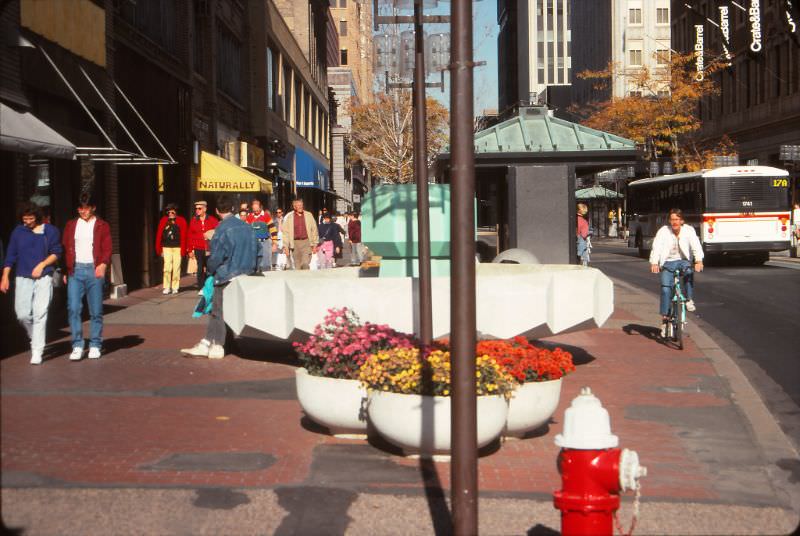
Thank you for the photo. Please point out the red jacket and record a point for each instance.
(101, 244)
(196, 230)
(184, 230)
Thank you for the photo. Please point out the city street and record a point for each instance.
(750, 311)
(144, 441)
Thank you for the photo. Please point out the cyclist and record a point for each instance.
(675, 246)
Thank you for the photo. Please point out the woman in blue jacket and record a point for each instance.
(33, 250)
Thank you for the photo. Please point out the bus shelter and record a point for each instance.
(605, 209)
(525, 181)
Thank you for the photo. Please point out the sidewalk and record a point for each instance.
(144, 441)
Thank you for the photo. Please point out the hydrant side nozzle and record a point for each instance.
(629, 470)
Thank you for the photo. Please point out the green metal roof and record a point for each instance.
(534, 131)
(597, 192)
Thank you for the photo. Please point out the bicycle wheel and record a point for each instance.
(677, 330)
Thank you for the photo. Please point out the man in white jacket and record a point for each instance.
(675, 246)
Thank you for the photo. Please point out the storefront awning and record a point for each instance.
(220, 175)
(310, 172)
(22, 132)
(82, 87)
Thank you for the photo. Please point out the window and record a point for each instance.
(635, 57)
(662, 15)
(635, 15)
(157, 19)
(343, 57)
(229, 65)
(663, 94)
(286, 87)
(270, 80)
(635, 93)
(199, 42)
(662, 56)
(343, 28)
(342, 4)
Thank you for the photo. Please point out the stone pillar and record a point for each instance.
(541, 212)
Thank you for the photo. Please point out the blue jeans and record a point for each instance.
(84, 283)
(31, 302)
(668, 280)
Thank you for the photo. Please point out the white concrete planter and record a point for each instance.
(334, 403)
(421, 424)
(531, 406)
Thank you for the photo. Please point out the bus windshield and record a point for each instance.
(747, 194)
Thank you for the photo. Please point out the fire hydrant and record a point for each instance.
(593, 470)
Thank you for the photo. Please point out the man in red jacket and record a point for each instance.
(171, 239)
(87, 252)
(199, 225)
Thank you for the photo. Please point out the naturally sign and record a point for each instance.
(226, 185)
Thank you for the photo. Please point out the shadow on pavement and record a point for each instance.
(434, 494)
(579, 355)
(541, 530)
(257, 349)
(649, 332)
(314, 510)
(10, 531)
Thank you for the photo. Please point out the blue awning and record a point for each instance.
(310, 172)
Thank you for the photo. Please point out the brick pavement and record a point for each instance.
(119, 422)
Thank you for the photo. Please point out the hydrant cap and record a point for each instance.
(587, 425)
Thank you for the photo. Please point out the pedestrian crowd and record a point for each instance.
(216, 248)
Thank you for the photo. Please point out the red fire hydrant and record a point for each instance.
(593, 470)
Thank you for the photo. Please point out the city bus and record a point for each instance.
(736, 210)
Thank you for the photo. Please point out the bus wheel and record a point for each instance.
(757, 259)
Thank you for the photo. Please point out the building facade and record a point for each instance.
(640, 40)
(140, 90)
(534, 48)
(351, 83)
(758, 105)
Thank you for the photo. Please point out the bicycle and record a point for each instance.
(676, 318)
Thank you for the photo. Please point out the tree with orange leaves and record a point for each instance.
(662, 113)
(382, 135)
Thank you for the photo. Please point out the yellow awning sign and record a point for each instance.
(220, 175)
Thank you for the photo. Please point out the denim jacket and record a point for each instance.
(234, 250)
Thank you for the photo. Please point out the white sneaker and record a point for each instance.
(198, 350)
(664, 330)
(77, 353)
(174, 291)
(165, 291)
(216, 351)
(690, 306)
(94, 352)
(36, 357)
(200, 292)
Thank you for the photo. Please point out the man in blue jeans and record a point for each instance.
(675, 246)
(87, 251)
(234, 252)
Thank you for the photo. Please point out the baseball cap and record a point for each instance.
(201, 203)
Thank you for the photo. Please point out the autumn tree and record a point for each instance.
(382, 135)
(662, 111)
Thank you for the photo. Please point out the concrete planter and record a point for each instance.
(334, 403)
(421, 424)
(531, 406)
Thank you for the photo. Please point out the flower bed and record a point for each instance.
(341, 343)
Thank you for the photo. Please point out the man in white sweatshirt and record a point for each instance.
(675, 246)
